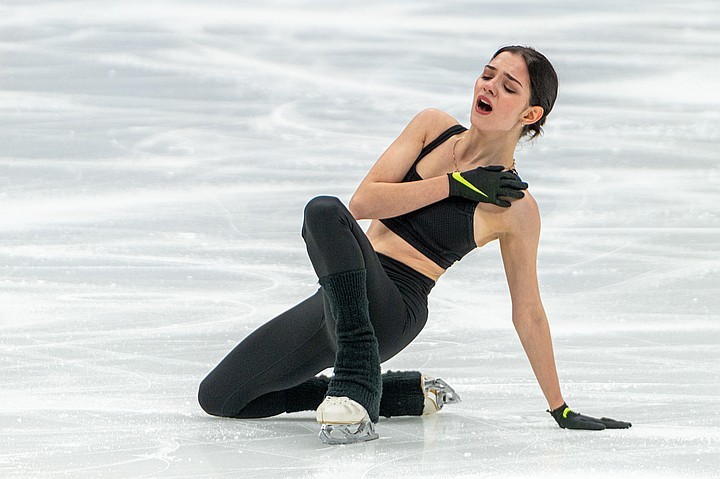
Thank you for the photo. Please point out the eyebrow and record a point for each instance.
(506, 74)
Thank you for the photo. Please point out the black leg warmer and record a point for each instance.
(357, 361)
(402, 394)
(306, 396)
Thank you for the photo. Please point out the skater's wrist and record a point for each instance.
(555, 405)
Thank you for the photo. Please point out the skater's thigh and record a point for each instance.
(388, 313)
(282, 353)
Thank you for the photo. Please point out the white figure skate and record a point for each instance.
(344, 421)
(437, 394)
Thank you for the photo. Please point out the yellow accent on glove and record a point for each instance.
(458, 177)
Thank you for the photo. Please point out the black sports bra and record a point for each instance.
(442, 231)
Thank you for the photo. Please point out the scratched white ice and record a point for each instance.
(155, 158)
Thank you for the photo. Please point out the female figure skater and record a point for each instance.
(439, 191)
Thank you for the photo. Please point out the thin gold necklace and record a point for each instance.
(453, 154)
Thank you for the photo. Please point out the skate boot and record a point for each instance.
(437, 394)
(344, 421)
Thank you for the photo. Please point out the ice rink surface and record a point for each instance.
(155, 159)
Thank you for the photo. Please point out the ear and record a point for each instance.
(532, 114)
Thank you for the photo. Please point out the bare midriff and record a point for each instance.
(386, 242)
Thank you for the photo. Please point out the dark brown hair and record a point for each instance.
(543, 84)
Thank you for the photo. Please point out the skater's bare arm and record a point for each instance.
(519, 252)
(382, 193)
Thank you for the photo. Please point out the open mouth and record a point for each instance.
(484, 105)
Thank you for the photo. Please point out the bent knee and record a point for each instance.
(321, 206)
(211, 400)
(323, 211)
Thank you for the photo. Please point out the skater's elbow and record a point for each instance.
(357, 207)
(528, 317)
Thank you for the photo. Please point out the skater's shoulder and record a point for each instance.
(430, 124)
(522, 218)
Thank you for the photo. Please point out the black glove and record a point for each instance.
(486, 184)
(569, 419)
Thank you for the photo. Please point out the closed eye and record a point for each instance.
(488, 78)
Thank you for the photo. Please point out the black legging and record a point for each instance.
(254, 378)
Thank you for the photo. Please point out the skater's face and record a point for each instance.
(502, 96)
